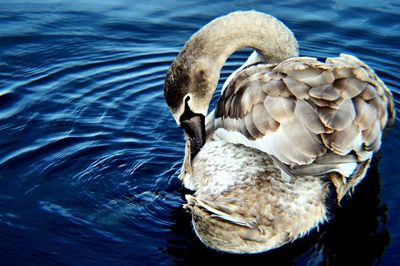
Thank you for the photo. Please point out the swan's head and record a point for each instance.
(193, 76)
(188, 89)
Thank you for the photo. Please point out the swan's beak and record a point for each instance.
(195, 131)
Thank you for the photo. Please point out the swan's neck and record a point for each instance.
(198, 65)
(225, 35)
(194, 74)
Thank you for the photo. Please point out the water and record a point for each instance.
(89, 153)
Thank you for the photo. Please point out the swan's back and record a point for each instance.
(313, 117)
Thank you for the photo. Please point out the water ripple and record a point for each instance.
(89, 154)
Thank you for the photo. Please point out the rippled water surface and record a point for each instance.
(89, 153)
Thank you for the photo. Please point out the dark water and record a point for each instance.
(89, 153)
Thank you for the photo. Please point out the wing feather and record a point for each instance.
(303, 111)
(280, 108)
(338, 119)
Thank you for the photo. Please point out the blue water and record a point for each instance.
(89, 153)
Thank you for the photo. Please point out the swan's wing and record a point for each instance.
(304, 112)
(253, 58)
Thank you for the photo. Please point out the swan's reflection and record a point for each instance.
(357, 235)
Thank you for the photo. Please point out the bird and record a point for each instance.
(289, 137)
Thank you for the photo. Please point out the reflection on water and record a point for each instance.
(89, 153)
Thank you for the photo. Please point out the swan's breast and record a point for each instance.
(220, 165)
(242, 205)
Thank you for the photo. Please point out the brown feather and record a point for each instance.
(369, 92)
(303, 140)
(309, 116)
(280, 108)
(275, 88)
(303, 108)
(341, 142)
(365, 114)
(350, 87)
(262, 120)
(338, 119)
(297, 88)
(372, 137)
(253, 95)
(325, 92)
(252, 128)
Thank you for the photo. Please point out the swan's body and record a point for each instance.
(301, 127)
(242, 205)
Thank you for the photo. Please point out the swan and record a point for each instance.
(290, 136)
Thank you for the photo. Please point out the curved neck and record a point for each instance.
(223, 36)
(208, 49)
(194, 74)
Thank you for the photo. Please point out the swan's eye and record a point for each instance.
(201, 74)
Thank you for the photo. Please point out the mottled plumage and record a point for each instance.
(289, 138)
(302, 109)
(252, 210)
